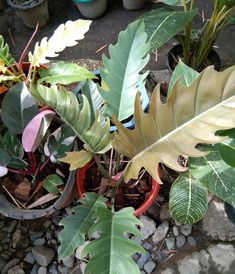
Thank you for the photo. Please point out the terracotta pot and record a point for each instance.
(91, 8)
(31, 12)
(80, 176)
(177, 51)
(134, 4)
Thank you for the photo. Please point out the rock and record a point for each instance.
(136, 240)
(216, 223)
(135, 256)
(49, 235)
(176, 231)
(39, 242)
(42, 270)
(170, 243)
(180, 241)
(186, 229)
(10, 265)
(2, 224)
(63, 269)
(35, 269)
(68, 261)
(53, 269)
(23, 190)
(164, 212)
(79, 250)
(35, 235)
(160, 232)
(147, 246)
(43, 255)
(47, 223)
(149, 266)
(16, 270)
(148, 228)
(144, 257)
(29, 258)
(12, 226)
(191, 241)
(153, 211)
(2, 263)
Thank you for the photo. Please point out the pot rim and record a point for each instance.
(25, 6)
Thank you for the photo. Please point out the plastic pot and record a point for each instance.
(134, 4)
(91, 8)
(31, 12)
(177, 51)
(80, 176)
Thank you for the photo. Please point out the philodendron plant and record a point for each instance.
(198, 106)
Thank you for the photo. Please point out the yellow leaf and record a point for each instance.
(77, 159)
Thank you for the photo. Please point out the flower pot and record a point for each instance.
(80, 177)
(31, 11)
(134, 4)
(177, 51)
(91, 8)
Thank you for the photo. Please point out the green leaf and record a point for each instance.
(112, 252)
(51, 182)
(186, 74)
(173, 2)
(78, 116)
(64, 73)
(4, 78)
(227, 151)
(230, 21)
(188, 199)
(5, 157)
(18, 108)
(59, 142)
(77, 225)
(4, 53)
(121, 72)
(215, 175)
(163, 24)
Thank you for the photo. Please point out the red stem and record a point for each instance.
(32, 161)
(44, 164)
(21, 171)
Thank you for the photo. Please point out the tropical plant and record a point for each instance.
(196, 44)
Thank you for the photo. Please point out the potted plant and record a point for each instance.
(195, 47)
(164, 134)
(134, 4)
(32, 136)
(31, 11)
(91, 8)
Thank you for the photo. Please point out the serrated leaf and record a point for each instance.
(70, 73)
(66, 35)
(18, 108)
(77, 159)
(188, 199)
(163, 24)
(169, 130)
(77, 225)
(5, 55)
(121, 72)
(51, 182)
(78, 116)
(112, 252)
(215, 175)
(36, 130)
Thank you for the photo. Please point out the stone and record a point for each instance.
(23, 190)
(68, 261)
(39, 242)
(43, 255)
(79, 250)
(35, 268)
(42, 270)
(12, 226)
(180, 241)
(191, 241)
(10, 265)
(2, 224)
(170, 243)
(63, 269)
(53, 269)
(47, 223)
(216, 223)
(135, 256)
(16, 270)
(164, 212)
(29, 258)
(35, 235)
(2, 263)
(148, 228)
(186, 230)
(176, 231)
(160, 232)
(144, 257)
(149, 266)
(147, 246)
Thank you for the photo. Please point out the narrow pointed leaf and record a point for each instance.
(188, 199)
(77, 225)
(66, 35)
(169, 130)
(112, 252)
(5, 55)
(121, 72)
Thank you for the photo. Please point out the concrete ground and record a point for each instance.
(104, 30)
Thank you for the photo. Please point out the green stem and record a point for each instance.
(101, 168)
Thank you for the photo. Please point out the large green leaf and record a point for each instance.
(163, 24)
(64, 73)
(188, 199)
(191, 115)
(18, 108)
(215, 175)
(66, 35)
(77, 225)
(78, 116)
(227, 151)
(121, 72)
(5, 56)
(112, 252)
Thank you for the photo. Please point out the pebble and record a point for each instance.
(164, 212)
(143, 259)
(170, 243)
(34, 269)
(186, 229)
(43, 255)
(47, 223)
(53, 269)
(35, 235)
(12, 226)
(149, 266)
(148, 228)
(180, 241)
(49, 235)
(5, 256)
(29, 258)
(42, 270)
(63, 269)
(16, 270)
(176, 231)
(191, 241)
(147, 246)
(68, 261)
(161, 232)
(2, 263)
(39, 242)
(9, 265)
(2, 224)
